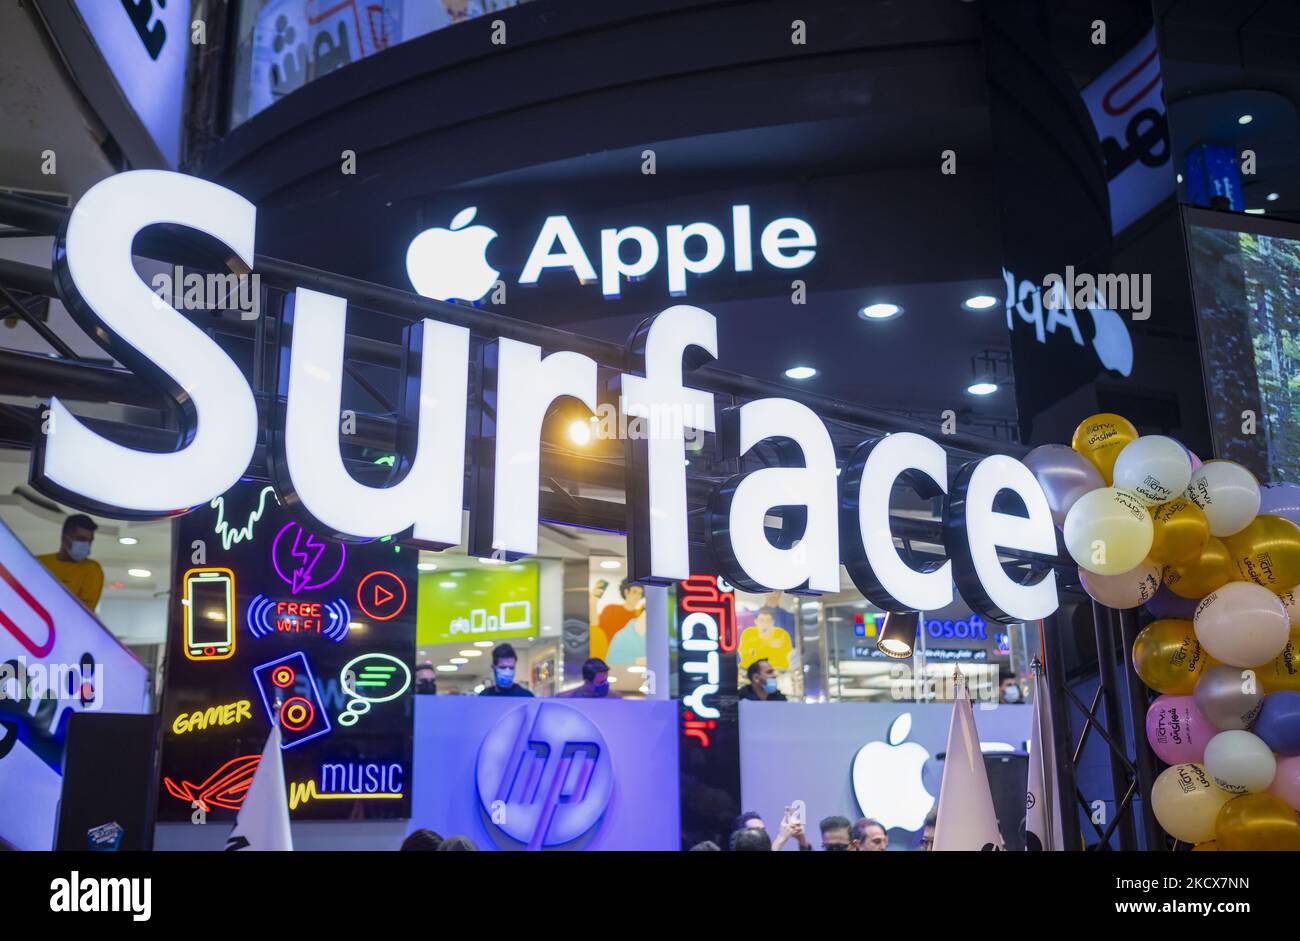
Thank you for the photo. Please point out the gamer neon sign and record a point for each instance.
(844, 511)
(214, 716)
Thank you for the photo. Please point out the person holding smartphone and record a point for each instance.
(792, 828)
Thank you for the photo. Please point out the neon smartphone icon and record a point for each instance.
(209, 612)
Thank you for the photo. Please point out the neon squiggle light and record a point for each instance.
(230, 537)
(302, 792)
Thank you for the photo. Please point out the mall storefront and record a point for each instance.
(685, 362)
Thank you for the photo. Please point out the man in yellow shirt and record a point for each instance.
(72, 564)
(766, 641)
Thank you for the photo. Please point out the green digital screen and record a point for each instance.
(488, 602)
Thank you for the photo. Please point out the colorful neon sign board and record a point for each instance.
(544, 775)
(337, 680)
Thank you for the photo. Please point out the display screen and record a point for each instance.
(283, 625)
(1245, 275)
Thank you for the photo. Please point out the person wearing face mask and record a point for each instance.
(1011, 691)
(762, 683)
(426, 679)
(595, 685)
(72, 564)
(503, 674)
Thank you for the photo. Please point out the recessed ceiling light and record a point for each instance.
(1255, 212)
(139, 573)
(580, 433)
(458, 660)
(881, 311)
(446, 584)
(611, 564)
(636, 669)
(1179, 176)
(800, 372)
(132, 541)
(486, 561)
(446, 668)
(482, 643)
(471, 653)
(457, 574)
(1245, 119)
(427, 566)
(982, 388)
(979, 302)
(1272, 197)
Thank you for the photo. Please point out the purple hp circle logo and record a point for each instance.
(544, 775)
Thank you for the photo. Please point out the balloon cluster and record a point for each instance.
(1215, 559)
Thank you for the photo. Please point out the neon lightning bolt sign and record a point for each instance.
(301, 552)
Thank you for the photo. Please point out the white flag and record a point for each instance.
(1042, 831)
(966, 819)
(263, 821)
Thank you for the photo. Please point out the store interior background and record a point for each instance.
(743, 138)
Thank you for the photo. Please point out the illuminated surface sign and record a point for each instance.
(446, 263)
(336, 678)
(824, 515)
(56, 659)
(544, 774)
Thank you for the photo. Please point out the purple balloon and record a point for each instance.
(1176, 730)
(1166, 604)
(1281, 500)
(1279, 722)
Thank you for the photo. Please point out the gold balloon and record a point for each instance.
(1267, 552)
(1257, 822)
(1283, 672)
(1100, 439)
(1210, 572)
(1168, 657)
(1181, 532)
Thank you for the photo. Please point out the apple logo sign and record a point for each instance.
(451, 263)
(887, 778)
(1112, 342)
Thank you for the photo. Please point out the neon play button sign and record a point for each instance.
(845, 511)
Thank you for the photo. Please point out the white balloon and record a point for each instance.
(1126, 590)
(1242, 624)
(1154, 467)
(1108, 531)
(1240, 762)
(1228, 493)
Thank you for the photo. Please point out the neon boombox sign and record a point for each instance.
(845, 510)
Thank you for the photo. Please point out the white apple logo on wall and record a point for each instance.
(887, 778)
(451, 263)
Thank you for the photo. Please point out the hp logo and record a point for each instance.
(548, 766)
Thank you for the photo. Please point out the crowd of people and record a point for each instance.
(761, 685)
(838, 834)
